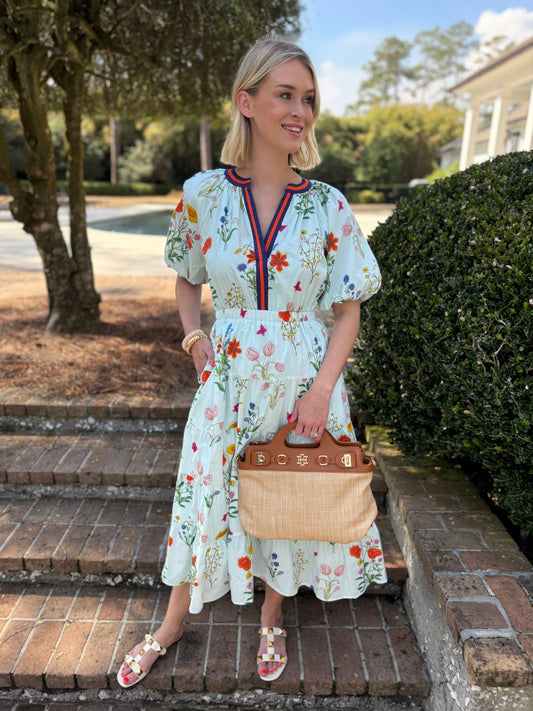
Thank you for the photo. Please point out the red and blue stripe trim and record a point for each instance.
(263, 245)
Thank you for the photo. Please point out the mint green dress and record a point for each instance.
(268, 346)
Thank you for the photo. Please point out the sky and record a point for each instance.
(340, 36)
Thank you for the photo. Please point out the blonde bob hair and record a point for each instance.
(264, 56)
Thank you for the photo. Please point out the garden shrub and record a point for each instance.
(444, 358)
(104, 188)
(367, 197)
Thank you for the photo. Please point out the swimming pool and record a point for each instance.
(146, 223)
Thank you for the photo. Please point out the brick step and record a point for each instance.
(136, 459)
(74, 637)
(16, 404)
(104, 537)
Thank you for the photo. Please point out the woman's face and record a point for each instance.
(281, 112)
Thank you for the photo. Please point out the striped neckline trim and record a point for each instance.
(235, 179)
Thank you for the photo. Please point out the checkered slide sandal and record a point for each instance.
(133, 662)
(270, 655)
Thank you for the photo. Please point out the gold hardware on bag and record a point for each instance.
(346, 459)
(323, 460)
(302, 460)
(282, 459)
(260, 458)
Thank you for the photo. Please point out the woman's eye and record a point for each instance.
(285, 96)
(310, 100)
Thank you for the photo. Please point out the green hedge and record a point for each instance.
(445, 357)
(103, 188)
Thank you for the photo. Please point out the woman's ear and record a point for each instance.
(243, 103)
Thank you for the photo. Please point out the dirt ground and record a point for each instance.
(135, 350)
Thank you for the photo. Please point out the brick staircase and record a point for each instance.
(84, 508)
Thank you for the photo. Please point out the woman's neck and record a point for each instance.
(265, 172)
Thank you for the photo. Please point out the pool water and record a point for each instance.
(146, 223)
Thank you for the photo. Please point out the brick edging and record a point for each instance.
(21, 402)
(482, 583)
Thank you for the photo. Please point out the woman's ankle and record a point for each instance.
(271, 615)
(167, 635)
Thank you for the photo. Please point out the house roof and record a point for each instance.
(514, 64)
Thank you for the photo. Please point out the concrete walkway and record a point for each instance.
(118, 252)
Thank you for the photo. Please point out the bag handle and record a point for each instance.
(327, 444)
(280, 439)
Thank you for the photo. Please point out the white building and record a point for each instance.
(506, 85)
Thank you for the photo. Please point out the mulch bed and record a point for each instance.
(135, 350)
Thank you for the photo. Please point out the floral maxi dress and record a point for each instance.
(268, 346)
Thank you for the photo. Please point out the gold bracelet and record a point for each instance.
(191, 338)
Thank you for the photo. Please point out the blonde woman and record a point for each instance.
(272, 246)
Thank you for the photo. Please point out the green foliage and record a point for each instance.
(166, 150)
(428, 65)
(445, 355)
(442, 53)
(96, 187)
(338, 142)
(176, 57)
(440, 173)
(369, 197)
(337, 166)
(399, 141)
(386, 70)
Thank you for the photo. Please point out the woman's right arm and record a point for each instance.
(189, 298)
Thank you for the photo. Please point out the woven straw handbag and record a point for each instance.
(312, 492)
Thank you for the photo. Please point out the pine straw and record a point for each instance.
(134, 351)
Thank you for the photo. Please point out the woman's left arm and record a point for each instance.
(311, 410)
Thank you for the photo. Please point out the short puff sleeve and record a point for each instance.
(183, 248)
(352, 270)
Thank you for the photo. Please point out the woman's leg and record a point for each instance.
(271, 616)
(170, 631)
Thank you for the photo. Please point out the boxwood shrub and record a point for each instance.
(444, 358)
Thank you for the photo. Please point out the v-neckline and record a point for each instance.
(264, 244)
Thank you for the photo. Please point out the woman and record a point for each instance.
(272, 245)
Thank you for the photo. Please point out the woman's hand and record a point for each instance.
(312, 409)
(202, 354)
(311, 414)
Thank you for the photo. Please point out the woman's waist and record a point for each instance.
(259, 315)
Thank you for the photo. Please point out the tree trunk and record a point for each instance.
(206, 161)
(37, 207)
(114, 148)
(83, 277)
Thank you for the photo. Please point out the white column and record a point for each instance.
(528, 131)
(498, 125)
(469, 135)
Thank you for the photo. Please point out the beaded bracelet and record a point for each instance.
(191, 338)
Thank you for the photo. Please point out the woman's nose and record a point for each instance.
(298, 108)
